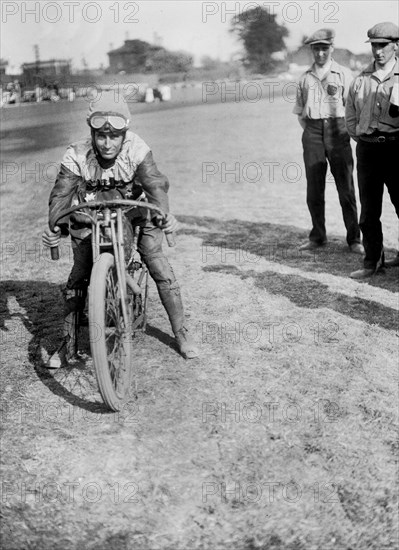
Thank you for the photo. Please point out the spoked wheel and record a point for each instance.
(138, 284)
(110, 339)
(71, 327)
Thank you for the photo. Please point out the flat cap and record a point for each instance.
(383, 32)
(322, 36)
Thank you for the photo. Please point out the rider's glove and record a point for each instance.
(169, 224)
(51, 238)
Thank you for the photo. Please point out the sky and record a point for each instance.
(87, 30)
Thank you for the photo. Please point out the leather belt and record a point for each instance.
(378, 138)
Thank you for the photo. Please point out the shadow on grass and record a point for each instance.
(163, 337)
(31, 319)
(236, 242)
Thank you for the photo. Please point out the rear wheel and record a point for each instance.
(110, 338)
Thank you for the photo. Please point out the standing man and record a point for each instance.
(320, 106)
(372, 119)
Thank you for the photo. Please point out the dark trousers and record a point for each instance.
(150, 248)
(327, 140)
(377, 164)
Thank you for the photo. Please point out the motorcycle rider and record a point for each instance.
(113, 162)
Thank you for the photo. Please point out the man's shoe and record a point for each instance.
(311, 245)
(357, 248)
(59, 359)
(392, 263)
(362, 273)
(186, 345)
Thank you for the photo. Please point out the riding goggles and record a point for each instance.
(115, 122)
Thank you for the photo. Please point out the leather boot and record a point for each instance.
(172, 302)
(186, 344)
(74, 304)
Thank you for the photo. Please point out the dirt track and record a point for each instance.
(282, 434)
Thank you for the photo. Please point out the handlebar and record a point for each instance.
(116, 203)
(55, 252)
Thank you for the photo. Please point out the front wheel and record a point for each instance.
(110, 338)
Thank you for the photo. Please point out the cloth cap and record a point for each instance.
(383, 32)
(322, 36)
(109, 102)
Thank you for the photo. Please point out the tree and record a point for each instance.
(261, 35)
(164, 61)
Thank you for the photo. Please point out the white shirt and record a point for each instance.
(322, 71)
(325, 97)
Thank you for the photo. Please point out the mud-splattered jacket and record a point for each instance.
(81, 177)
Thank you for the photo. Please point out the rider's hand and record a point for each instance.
(168, 224)
(51, 238)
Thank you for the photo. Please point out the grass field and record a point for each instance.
(282, 435)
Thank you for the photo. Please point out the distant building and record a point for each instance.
(4, 77)
(132, 57)
(46, 72)
(303, 56)
(3, 66)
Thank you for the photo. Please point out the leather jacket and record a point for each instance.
(81, 178)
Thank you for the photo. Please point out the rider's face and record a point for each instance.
(108, 144)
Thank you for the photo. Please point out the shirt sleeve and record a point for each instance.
(348, 79)
(299, 104)
(350, 112)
